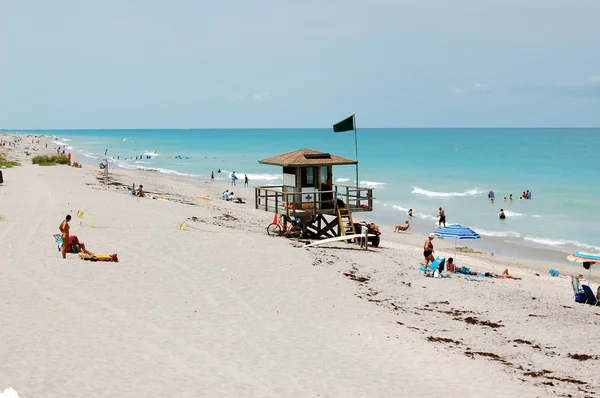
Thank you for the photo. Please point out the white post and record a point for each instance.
(365, 233)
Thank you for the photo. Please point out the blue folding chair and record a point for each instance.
(589, 294)
(433, 266)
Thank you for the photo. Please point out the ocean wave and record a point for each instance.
(154, 169)
(560, 242)
(262, 177)
(151, 154)
(433, 194)
(372, 183)
(422, 216)
(342, 179)
(497, 234)
(509, 213)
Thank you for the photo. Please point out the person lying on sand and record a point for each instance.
(505, 275)
(400, 227)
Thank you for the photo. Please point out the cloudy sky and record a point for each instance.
(310, 63)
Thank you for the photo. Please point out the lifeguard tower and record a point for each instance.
(308, 193)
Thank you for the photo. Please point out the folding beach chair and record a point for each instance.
(59, 242)
(433, 266)
(589, 294)
(578, 291)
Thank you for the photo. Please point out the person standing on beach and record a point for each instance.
(245, 180)
(428, 250)
(64, 229)
(442, 215)
(212, 175)
(233, 178)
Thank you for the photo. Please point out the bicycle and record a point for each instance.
(282, 227)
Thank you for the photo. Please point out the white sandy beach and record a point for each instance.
(220, 309)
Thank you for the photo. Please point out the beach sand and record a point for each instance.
(219, 308)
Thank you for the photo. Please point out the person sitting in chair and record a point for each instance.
(76, 246)
(400, 227)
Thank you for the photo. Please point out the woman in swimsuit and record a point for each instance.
(428, 250)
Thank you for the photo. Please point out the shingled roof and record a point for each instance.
(298, 158)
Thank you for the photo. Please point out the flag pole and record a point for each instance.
(355, 147)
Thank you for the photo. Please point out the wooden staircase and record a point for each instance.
(345, 216)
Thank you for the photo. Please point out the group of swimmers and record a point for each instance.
(525, 195)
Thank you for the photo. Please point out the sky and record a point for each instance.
(74, 64)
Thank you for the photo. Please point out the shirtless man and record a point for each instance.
(442, 215)
(402, 227)
(64, 228)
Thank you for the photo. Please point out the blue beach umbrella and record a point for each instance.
(456, 232)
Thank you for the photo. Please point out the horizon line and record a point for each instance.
(15, 130)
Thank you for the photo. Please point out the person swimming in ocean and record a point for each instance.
(510, 197)
(410, 213)
(501, 215)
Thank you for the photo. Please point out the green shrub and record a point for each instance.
(4, 163)
(50, 160)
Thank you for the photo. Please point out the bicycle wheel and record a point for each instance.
(274, 229)
(295, 232)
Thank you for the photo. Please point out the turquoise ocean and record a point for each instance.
(421, 169)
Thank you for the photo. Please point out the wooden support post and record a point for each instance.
(266, 200)
(276, 204)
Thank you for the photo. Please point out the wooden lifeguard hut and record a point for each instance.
(308, 193)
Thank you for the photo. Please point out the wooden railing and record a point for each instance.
(271, 198)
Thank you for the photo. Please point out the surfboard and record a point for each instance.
(337, 239)
(203, 197)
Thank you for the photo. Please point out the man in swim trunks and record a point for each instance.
(64, 228)
(501, 215)
(428, 250)
(402, 227)
(442, 215)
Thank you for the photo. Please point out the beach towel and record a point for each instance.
(99, 257)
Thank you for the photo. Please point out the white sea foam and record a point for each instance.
(432, 194)
(422, 216)
(9, 393)
(509, 213)
(151, 154)
(372, 183)
(262, 177)
(91, 156)
(499, 234)
(342, 179)
(560, 242)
